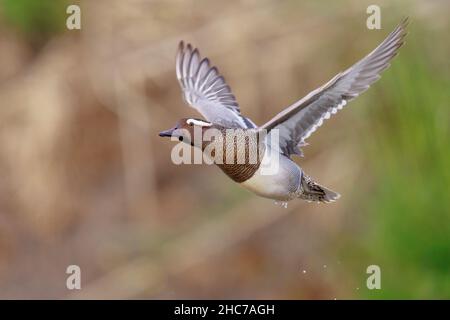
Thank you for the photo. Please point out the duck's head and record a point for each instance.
(185, 128)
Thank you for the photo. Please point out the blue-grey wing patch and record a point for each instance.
(206, 90)
(297, 122)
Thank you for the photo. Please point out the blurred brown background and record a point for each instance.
(86, 180)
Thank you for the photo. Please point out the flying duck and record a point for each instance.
(205, 89)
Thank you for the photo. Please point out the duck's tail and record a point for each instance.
(312, 191)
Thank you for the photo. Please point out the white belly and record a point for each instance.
(277, 178)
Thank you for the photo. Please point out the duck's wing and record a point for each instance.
(300, 120)
(206, 90)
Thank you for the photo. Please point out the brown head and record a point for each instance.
(185, 129)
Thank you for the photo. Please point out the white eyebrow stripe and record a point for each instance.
(198, 123)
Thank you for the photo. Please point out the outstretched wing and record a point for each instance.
(206, 90)
(300, 120)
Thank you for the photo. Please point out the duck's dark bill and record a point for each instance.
(166, 133)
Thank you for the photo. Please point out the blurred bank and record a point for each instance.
(87, 181)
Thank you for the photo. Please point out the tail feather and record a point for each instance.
(312, 191)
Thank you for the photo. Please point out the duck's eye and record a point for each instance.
(180, 138)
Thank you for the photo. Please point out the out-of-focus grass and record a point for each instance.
(408, 153)
(37, 20)
(77, 173)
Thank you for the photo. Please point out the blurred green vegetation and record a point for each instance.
(397, 214)
(408, 153)
(37, 20)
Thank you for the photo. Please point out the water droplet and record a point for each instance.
(283, 204)
(324, 266)
(304, 271)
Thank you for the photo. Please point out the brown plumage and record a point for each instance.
(238, 152)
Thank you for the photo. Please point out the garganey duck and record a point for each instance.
(259, 158)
